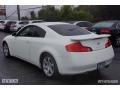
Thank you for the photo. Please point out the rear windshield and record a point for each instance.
(68, 30)
(104, 24)
(84, 24)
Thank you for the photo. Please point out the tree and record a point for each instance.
(82, 15)
(48, 13)
(33, 15)
(101, 12)
(83, 12)
(92, 13)
(66, 13)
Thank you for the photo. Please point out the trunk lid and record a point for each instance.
(94, 41)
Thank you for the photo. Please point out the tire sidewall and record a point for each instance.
(8, 50)
(56, 73)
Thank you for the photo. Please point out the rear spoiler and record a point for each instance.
(90, 37)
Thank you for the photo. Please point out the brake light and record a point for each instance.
(108, 43)
(105, 31)
(77, 47)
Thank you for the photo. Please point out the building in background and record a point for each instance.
(2, 12)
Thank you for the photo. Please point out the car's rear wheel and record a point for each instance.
(6, 50)
(49, 66)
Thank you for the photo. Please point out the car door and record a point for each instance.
(36, 43)
(22, 43)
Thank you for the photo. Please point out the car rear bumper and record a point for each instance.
(75, 63)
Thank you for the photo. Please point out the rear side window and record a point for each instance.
(38, 32)
(84, 24)
(68, 30)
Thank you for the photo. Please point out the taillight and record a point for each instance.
(105, 31)
(77, 47)
(108, 43)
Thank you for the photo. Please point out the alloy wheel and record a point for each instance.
(6, 50)
(48, 66)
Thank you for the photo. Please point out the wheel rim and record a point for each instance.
(5, 50)
(48, 66)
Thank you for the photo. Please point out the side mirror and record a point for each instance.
(14, 34)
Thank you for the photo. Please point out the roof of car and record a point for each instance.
(50, 23)
(74, 21)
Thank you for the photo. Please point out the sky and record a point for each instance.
(12, 8)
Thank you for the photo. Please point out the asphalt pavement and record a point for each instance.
(28, 74)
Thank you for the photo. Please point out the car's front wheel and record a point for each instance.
(49, 66)
(6, 50)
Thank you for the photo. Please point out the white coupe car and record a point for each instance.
(59, 48)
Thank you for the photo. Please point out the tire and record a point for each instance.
(6, 50)
(49, 66)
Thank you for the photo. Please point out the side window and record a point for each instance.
(38, 32)
(27, 31)
(32, 31)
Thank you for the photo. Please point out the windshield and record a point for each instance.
(69, 30)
